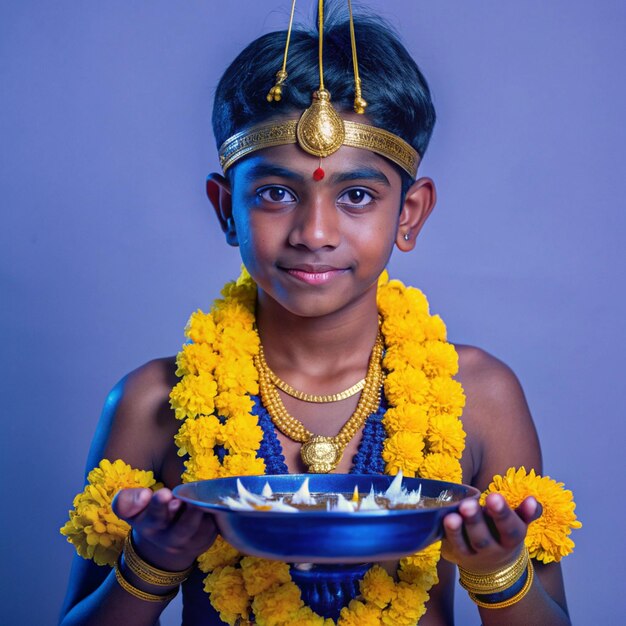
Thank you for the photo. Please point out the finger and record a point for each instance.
(510, 527)
(453, 529)
(129, 503)
(188, 522)
(174, 508)
(158, 513)
(529, 510)
(478, 534)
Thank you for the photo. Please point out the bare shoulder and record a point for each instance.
(499, 426)
(145, 388)
(137, 423)
(487, 380)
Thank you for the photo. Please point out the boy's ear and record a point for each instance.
(419, 202)
(220, 196)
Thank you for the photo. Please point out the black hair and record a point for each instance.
(396, 91)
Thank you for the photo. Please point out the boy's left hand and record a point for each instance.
(485, 539)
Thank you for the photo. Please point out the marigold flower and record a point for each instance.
(378, 587)
(194, 395)
(201, 328)
(402, 330)
(201, 467)
(228, 594)
(391, 302)
(441, 359)
(233, 320)
(428, 557)
(421, 568)
(359, 614)
(95, 531)
(397, 357)
(229, 404)
(197, 436)
(424, 578)
(383, 278)
(417, 299)
(406, 417)
(242, 434)
(394, 298)
(408, 606)
(445, 397)
(242, 290)
(434, 328)
(446, 434)
(277, 605)
(403, 451)
(238, 341)
(547, 538)
(195, 358)
(242, 465)
(306, 617)
(406, 385)
(237, 375)
(261, 574)
(439, 466)
(220, 554)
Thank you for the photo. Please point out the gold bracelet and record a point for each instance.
(511, 601)
(495, 582)
(138, 593)
(149, 574)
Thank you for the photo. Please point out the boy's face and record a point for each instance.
(315, 247)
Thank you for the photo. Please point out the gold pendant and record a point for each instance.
(320, 130)
(321, 454)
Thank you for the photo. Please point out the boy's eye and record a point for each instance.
(275, 194)
(356, 197)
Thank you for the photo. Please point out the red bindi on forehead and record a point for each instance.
(319, 174)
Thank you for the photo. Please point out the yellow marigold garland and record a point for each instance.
(96, 532)
(548, 537)
(425, 438)
(422, 423)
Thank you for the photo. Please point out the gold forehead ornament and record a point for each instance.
(355, 135)
(320, 131)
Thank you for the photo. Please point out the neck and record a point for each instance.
(318, 347)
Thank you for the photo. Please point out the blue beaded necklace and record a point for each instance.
(367, 460)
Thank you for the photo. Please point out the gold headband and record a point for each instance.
(355, 135)
(320, 131)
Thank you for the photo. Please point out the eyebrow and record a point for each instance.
(261, 170)
(368, 173)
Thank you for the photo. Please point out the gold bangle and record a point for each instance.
(138, 593)
(149, 574)
(495, 582)
(511, 601)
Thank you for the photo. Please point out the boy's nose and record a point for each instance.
(316, 226)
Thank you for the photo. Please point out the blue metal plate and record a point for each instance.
(320, 536)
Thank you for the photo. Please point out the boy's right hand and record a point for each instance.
(167, 533)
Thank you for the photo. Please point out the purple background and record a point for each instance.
(107, 241)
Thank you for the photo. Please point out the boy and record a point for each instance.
(316, 201)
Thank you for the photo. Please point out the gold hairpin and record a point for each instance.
(276, 92)
(320, 131)
(359, 102)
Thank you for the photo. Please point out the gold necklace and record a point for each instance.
(319, 453)
(309, 397)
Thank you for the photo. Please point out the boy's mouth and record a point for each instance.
(314, 274)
